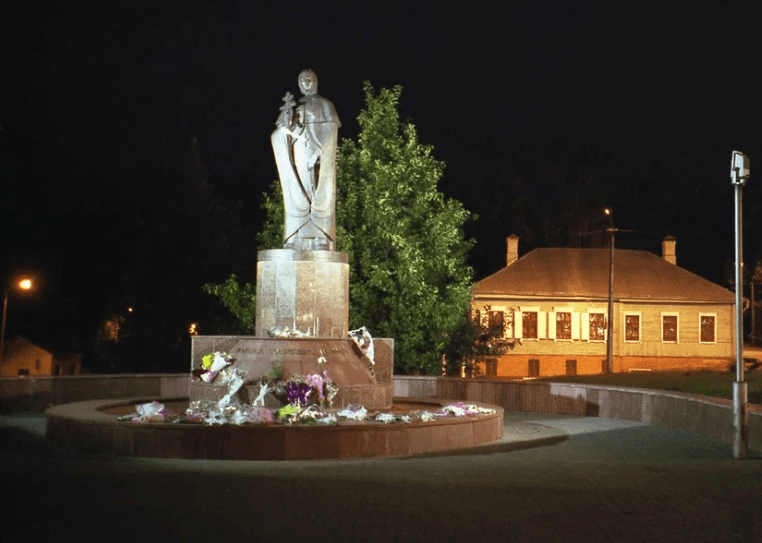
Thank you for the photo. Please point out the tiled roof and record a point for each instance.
(638, 275)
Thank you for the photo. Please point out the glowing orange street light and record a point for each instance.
(23, 284)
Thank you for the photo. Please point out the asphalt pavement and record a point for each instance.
(551, 478)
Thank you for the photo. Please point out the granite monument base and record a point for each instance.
(346, 366)
(307, 291)
(94, 427)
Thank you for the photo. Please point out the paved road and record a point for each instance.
(592, 480)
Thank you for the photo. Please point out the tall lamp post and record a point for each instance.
(739, 173)
(610, 329)
(23, 284)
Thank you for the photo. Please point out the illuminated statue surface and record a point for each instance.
(304, 143)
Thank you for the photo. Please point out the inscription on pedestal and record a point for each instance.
(299, 356)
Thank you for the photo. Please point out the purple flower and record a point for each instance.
(297, 393)
(316, 381)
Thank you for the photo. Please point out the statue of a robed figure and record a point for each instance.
(304, 143)
(302, 319)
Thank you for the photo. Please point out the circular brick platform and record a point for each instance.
(92, 427)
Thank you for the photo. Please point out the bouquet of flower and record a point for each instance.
(316, 388)
(211, 365)
(152, 412)
(460, 409)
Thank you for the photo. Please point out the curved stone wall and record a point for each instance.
(93, 427)
(710, 416)
(35, 394)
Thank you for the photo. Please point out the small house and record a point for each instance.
(554, 303)
(24, 358)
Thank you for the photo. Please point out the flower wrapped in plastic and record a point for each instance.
(364, 341)
(317, 382)
(386, 418)
(328, 420)
(152, 412)
(211, 365)
(261, 415)
(314, 388)
(329, 391)
(259, 401)
(216, 361)
(278, 332)
(353, 412)
(460, 409)
(288, 412)
(309, 415)
(325, 387)
(253, 415)
(425, 416)
(234, 379)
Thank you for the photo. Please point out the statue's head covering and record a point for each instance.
(312, 79)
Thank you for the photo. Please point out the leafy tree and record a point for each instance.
(409, 279)
(479, 341)
(240, 300)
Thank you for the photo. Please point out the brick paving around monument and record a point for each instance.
(581, 479)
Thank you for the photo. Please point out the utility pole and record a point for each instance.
(739, 173)
(22, 284)
(610, 318)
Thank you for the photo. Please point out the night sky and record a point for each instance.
(101, 98)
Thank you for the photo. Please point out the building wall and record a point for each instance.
(648, 352)
(688, 344)
(543, 345)
(70, 364)
(23, 356)
(517, 366)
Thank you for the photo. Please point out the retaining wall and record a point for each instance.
(710, 416)
(415, 387)
(35, 394)
(707, 415)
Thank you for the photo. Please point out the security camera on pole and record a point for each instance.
(739, 173)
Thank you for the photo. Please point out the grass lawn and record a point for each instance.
(699, 382)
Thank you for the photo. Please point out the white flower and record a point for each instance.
(426, 416)
(386, 418)
(353, 412)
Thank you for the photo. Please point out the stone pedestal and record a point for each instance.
(306, 291)
(299, 356)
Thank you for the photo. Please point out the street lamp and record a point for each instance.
(22, 284)
(610, 330)
(739, 173)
